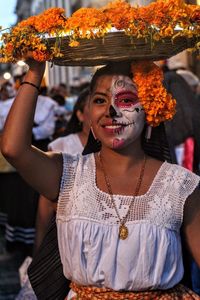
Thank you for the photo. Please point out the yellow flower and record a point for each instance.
(74, 44)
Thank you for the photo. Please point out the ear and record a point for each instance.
(80, 116)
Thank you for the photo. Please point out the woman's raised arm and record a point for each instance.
(41, 170)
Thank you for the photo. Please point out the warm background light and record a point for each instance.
(21, 63)
(7, 76)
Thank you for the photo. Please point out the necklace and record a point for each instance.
(123, 229)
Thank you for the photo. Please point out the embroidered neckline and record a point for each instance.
(155, 179)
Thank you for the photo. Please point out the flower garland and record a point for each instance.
(29, 35)
(156, 21)
(158, 105)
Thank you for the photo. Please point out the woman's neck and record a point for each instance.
(123, 159)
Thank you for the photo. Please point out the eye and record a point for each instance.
(126, 100)
(99, 100)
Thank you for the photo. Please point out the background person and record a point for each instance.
(19, 220)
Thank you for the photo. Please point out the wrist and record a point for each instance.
(32, 84)
(35, 72)
(34, 77)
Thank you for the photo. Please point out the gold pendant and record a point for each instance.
(123, 232)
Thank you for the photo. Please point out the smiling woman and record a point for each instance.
(120, 210)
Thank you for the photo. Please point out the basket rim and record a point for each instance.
(96, 51)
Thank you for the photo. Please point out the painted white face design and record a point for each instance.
(127, 113)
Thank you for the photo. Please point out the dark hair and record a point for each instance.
(43, 90)
(59, 99)
(62, 84)
(113, 68)
(74, 124)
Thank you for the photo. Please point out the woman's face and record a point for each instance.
(117, 117)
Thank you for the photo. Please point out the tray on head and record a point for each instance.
(117, 46)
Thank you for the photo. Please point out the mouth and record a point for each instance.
(116, 128)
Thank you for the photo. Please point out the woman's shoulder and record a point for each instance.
(77, 159)
(173, 167)
(174, 175)
(181, 170)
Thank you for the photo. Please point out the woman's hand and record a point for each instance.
(35, 65)
(36, 70)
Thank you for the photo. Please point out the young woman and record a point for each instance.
(119, 210)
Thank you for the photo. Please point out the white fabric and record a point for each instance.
(44, 116)
(92, 253)
(189, 77)
(70, 144)
(4, 110)
(179, 151)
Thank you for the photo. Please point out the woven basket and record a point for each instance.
(117, 46)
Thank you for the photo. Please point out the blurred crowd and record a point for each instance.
(53, 112)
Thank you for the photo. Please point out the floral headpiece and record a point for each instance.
(159, 106)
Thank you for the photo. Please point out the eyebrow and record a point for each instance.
(99, 93)
(125, 93)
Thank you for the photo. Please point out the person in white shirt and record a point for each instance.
(44, 119)
(19, 221)
(44, 122)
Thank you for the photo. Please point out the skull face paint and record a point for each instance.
(128, 116)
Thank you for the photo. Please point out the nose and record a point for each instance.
(112, 112)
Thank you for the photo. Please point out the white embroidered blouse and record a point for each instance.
(92, 253)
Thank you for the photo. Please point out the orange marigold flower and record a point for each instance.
(85, 21)
(51, 20)
(194, 13)
(159, 106)
(41, 55)
(74, 44)
(152, 22)
(119, 14)
(9, 47)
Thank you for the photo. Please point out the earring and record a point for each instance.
(93, 133)
(98, 142)
(148, 132)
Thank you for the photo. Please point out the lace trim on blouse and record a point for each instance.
(162, 204)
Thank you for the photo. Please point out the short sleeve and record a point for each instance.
(70, 164)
